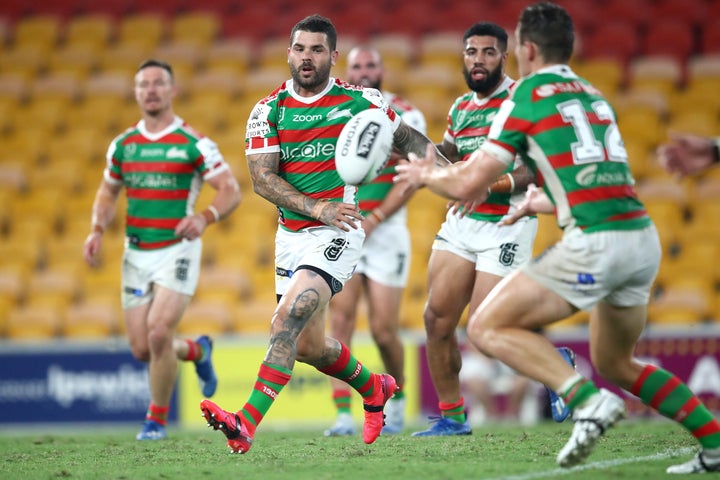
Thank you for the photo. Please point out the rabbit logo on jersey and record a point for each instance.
(258, 125)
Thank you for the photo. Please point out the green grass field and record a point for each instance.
(634, 450)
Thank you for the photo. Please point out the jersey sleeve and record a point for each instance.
(376, 97)
(212, 160)
(261, 135)
(112, 173)
(508, 132)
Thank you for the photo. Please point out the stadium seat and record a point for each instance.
(442, 50)
(199, 28)
(668, 36)
(641, 115)
(25, 60)
(605, 74)
(42, 31)
(679, 305)
(662, 73)
(618, 39)
(230, 55)
(145, 30)
(206, 317)
(93, 28)
(710, 32)
(91, 320)
(33, 323)
(254, 317)
(699, 122)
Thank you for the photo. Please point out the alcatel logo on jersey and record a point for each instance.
(310, 150)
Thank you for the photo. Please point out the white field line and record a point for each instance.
(605, 464)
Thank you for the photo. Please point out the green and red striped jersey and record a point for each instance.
(304, 132)
(567, 134)
(469, 121)
(162, 174)
(371, 195)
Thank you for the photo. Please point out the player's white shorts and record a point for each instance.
(325, 249)
(386, 255)
(618, 267)
(493, 248)
(176, 267)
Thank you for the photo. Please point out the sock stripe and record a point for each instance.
(647, 371)
(671, 384)
(687, 409)
(452, 405)
(251, 413)
(274, 374)
(340, 364)
(709, 428)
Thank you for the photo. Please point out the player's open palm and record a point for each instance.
(341, 215)
(535, 201)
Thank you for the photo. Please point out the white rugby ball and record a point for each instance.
(364, 146)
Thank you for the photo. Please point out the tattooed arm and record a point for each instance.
(408, 140)
(268, 184)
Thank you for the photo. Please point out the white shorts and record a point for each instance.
(325, 249)
(493, 248)
(618, 267)
(176, 267)
(385, 255)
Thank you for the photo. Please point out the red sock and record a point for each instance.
(157, 414)
(194, 351)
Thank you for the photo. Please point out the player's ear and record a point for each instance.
(333, 57)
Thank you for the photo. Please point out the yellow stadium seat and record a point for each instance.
(641, 115)
(91, 320)
(698, 122)
(94, 28)
(208, 318)
(33, 323)
(54, 288)
(28, 60)
(145, 30)
(679, 305)
(442, 50)
(656, 72)
(605, 74)
(14, 88)
(37, 30)
(13, 283)
(254, 317)
(273, 54)
(398, 51)
(194, 27)
(234, 55)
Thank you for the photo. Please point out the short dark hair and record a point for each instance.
(157, 63)
(317, 24)
(550, 27)
(482, 29)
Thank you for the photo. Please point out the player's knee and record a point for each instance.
(437, 325)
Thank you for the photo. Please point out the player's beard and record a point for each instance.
(316, 81)
(487, 85)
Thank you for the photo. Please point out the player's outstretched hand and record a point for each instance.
(535, 201)
(414, 170)
(686, 154)
(91, 249)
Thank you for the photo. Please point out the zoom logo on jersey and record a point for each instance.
(334, 251)
(507, 253)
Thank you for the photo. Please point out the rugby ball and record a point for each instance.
(363, 147)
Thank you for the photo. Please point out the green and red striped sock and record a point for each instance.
(667, 394)
(576, 390)
(341, 399)
(270, 381)
(157, 413)
(348, 369)
(453, 411)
